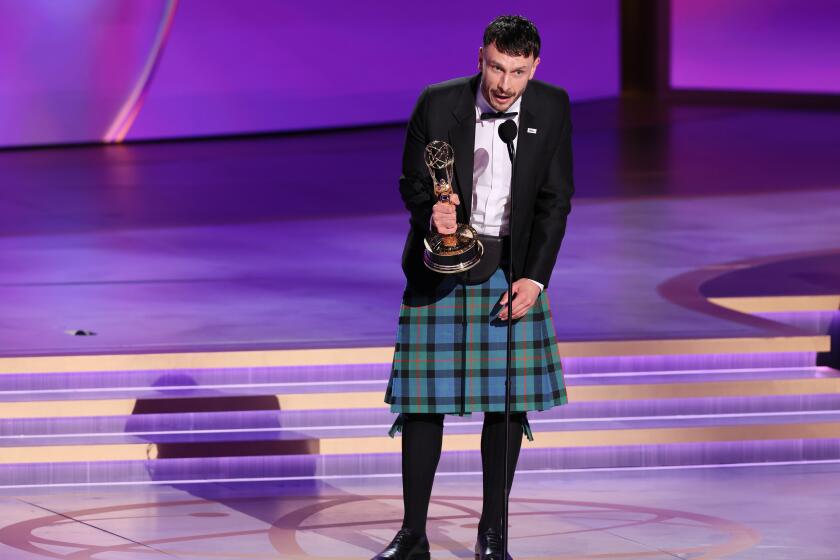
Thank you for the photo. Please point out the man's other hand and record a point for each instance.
(443, 215)
(525, 294)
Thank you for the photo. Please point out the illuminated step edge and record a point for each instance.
(374, 399)
(308, 468)
(383, 355)
(280, 439)
(238, 382)
(456, 442)
(105, 385)
(779, 304)
(296, 424)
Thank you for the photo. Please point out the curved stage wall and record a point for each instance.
(107, 70)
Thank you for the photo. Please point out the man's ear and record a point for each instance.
(534, 67)
(480, 58)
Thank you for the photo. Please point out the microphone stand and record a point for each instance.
(509, 353)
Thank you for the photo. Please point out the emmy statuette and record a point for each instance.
(455, 252)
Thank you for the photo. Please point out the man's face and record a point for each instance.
(504, 77)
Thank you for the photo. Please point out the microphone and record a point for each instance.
(507, 132)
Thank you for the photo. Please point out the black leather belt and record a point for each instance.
(496, 252)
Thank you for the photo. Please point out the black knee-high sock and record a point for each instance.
(493, 464)
(422, 439)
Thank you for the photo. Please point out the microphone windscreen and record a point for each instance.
(507, 131)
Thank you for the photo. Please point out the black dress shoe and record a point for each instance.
(489, 545)
(407, 545)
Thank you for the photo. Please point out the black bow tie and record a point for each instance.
(497, 115)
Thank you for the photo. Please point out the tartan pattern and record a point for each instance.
(449, 356)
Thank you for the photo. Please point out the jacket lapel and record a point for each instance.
(526, 152)
(462, 139)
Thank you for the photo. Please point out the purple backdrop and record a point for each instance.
(772, 45)
(103, 70)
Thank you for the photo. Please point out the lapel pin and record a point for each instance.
(532, 131)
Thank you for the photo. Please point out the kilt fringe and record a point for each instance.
(397, 427)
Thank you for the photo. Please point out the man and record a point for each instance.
(450, 351)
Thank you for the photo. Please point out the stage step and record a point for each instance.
(144, 385)
(312, 421)
(269, 425)
(309, 468)
(460, 436)
(577, 357)
(49, 402)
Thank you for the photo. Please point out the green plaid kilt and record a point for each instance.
(450, 353)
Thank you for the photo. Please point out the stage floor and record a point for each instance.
(737, 513)
(295, 242)
(333, 282)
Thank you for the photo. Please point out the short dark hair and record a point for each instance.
(513, 35)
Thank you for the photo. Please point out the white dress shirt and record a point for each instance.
(490, 209)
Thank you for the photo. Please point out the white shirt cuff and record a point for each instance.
(538, 284)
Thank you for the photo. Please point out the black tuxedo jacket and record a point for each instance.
(542, 185)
